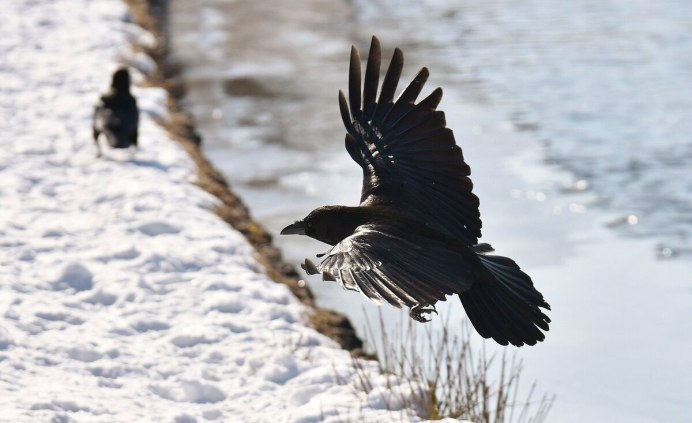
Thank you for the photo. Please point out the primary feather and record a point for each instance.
(408, 155)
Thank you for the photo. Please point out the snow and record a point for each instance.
(122, 296)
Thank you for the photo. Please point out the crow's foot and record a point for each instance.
(419, 312)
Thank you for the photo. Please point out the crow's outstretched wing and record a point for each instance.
(409, 157)
(387, 263)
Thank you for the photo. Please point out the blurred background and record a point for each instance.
(576, 120)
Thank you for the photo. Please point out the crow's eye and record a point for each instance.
(309, 225)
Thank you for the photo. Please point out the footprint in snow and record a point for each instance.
(184, 418)
(232, 307)
(150, 326)
(102, 297)
(279, 369)
(59, 316)
(222, 286)
(74, 276)
(199, 335)
(83, 354)
(5, 340)
(187, 341)
(158, 228)
(127, 254)
(211, 414)
(190, 391)
(110, 371)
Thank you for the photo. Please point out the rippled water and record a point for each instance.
(607, 86)
(604, 85)
(575, 119)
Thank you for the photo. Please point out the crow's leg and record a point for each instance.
(96, 142)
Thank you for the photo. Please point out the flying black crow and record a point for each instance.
(413, 239)
(116, 114)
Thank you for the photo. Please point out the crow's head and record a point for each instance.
(329, 224)
(121, 80)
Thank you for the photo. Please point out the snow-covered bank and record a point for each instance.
(122, 296)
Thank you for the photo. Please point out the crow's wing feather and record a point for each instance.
(388, 263)
(409, 157)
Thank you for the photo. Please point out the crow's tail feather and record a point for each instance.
(504, 305)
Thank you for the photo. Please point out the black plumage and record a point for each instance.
(116, 114)
(413, 239)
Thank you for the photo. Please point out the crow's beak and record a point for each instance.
(297, 228)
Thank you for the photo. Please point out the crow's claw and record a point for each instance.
(419, 311)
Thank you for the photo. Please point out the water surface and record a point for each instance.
(574, 119)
